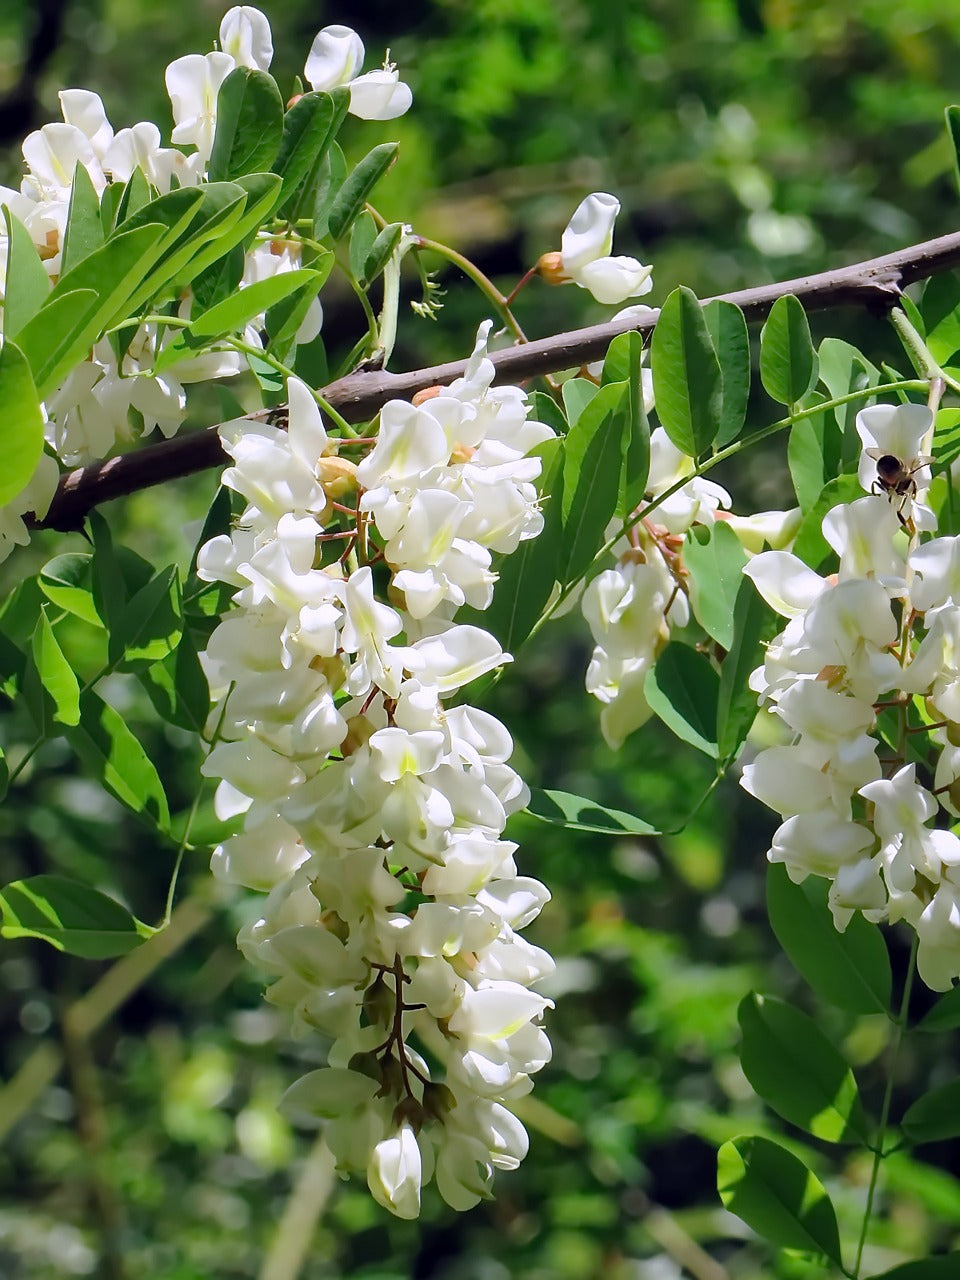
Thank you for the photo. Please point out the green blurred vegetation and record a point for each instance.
(747, 141)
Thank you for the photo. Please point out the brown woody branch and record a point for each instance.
(876, 283)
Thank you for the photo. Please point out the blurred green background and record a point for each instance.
(748, 142)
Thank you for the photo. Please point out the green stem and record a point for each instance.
(25, 759)
(483, 283)
(916, 348)
(879, 1153)
(248, 349)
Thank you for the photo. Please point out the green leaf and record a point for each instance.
(4, 775)
(362, 236)
(283, 320)
(546, 410)
(796, 1070)
(850, 970)
(84, 233)
(112, 273)
(249, 124)
(940, 308)
(527, 576)
(952, 117)
(357, 188)
(788, 362)
(317, 196)
(682, 689)
(309, 128)
(577, 394)
(150, 625)
(66, 581)
(178, 688)
(727, 327)
(810, 545)
(623, 358)
(576, 813)
(754, 623)
(27, 284)
(380, 253)
(113, 755)
(687, 381)
(53, 340)
(21, 422)
(944, 1267)
(219, 280)
(231, 315)
(593, 457)
(715, 566)
(71, 916)
(56, 674)
(945, 1014)
(807, 444)
(136, 196)
(935, 1115)
(776, 1195)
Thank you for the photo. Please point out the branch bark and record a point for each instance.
(876, 284)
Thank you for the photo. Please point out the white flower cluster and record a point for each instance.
(879, 636)
(91, 409)
(631, 607)
(374, 812)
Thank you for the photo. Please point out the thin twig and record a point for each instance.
(876, 283)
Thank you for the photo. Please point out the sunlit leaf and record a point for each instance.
(562, 809)
(249, 124)
(117, 759)
(21, 422)
(71, 916)
(715, 566)
(788, 362)
(686, 374)
(777, 1195)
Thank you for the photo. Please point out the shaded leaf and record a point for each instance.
(850, 970)
(945, 1014)
(682, 690)
(754, 623)
(577, 394)
(234, 313)
(810, 545)
(715, 566)
(935, 1115)
(150, 624)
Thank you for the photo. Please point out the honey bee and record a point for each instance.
(895, 477)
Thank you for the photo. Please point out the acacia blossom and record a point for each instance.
(880, 633)
(373, 810)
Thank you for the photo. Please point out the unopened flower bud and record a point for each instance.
(409, 1111)
(391, 1078)
(550, 267)
(428, 393)
(379, 1002)
(438, 1100)
(338, 476)
(359, 731)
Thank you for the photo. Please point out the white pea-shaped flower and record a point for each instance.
(336, 57)
(585, 256)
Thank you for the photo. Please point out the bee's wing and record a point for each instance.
(876, 454)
